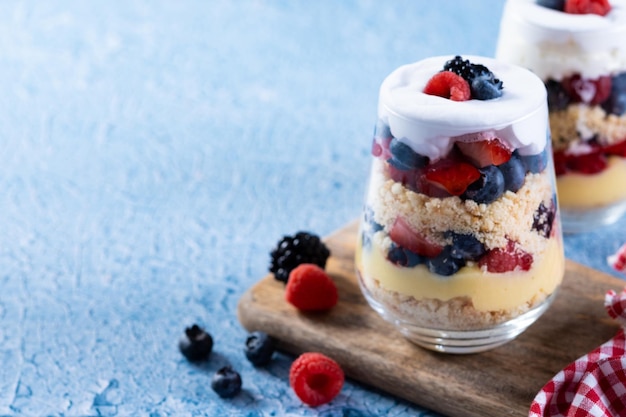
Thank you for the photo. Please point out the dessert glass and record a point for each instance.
(460, 244)
(581, 58)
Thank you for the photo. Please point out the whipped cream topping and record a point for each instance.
(431, 125)
(555, 44)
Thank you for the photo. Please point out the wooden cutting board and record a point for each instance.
(500, 382)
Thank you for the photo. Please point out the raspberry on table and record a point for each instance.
(310, 288)
(291, 251)
(448, 85)
(315, 378)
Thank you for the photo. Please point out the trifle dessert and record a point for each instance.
(578, 48)
(460, 243)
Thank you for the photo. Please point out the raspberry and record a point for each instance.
(292, 251)
(599, 7)
(449, 85)
(586, 90)
(315, 378)
(310, 288)
(506, 259)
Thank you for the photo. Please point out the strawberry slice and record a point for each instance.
(485, 152)
(449, 85)
(599, 7)
(403, 235)
(451, 175)
(506, 259)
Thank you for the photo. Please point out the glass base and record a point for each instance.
(580, 221)
(460, 341)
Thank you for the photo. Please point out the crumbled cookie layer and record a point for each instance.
(455, 314)
(580, 122)
(508, 218)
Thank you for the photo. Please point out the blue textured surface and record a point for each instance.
(153, 152)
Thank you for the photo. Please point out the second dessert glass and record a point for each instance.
(460, 243)
(579, 50)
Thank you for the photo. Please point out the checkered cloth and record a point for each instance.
(618, 260)
(594, 384)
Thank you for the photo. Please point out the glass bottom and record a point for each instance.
(460, 341)
(580, 221)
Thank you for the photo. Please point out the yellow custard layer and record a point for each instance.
(594, 190)
(488, 291)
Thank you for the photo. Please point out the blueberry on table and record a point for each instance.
(196, 344)
(259, 348)
(488, 188)
(226, 382)
(514, 173)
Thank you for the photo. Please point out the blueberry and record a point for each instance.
(552, 4)
(369, 219)
(226, 382)
(514, 173)
(445, 263)
(558, 99)
(259, 348)
(535, 163)
(382, 130)
(466, 246)
(405, 158)
(196, 344)
(488, 188)
(616, 103)
(485, 88)
(404, 257)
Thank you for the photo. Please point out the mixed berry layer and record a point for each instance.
(588, 119)
(479, 168)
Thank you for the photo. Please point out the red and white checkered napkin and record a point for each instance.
(594, 384)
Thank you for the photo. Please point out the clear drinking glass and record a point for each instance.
(460, 242)
(581, 58)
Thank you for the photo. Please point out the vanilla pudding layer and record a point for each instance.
(593, 190)
(471, 299)
(431, 125)
(555, 44)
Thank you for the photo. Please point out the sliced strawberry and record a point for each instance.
(587, 90)
(451, 175)
(506, 259)
(449, 85)
(590, 163)
(403, 235)
(599, 7)
(485, 152)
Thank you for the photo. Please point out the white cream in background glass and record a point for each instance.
(460, 243)
(582, 60)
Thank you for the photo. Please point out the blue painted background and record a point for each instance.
(151, 155)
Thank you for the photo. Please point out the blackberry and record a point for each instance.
(543, 219)
(291, 251)
(483, 83)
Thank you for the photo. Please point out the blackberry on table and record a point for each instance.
(291, 251)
